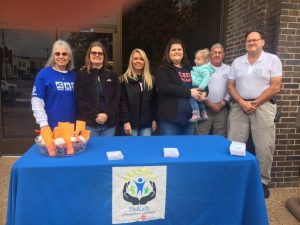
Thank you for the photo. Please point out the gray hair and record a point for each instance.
(61, 44)
(217, 45)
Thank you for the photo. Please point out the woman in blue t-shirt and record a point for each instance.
(174, 86)
(53, 97)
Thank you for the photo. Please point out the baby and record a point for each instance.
(201, 74)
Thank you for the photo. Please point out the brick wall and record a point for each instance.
(280, 20)
(287, 155)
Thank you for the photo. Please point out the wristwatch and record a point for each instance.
(223, 103)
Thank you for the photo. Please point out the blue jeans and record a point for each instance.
(202, 106)
(102, 130)
(169, 128)
(141, 132)
(197, 106)
(194, 105)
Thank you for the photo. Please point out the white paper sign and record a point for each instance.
(171, 153)
(114, 155)
(237, 148)
(139, 193)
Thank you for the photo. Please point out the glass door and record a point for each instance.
(81, 39)
(23, 53)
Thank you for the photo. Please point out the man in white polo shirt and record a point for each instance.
(253, 81)
(218, 99)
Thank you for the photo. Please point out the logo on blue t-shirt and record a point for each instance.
(64, 86)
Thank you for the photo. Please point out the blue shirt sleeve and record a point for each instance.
(39, 88)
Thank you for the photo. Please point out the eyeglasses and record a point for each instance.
(97, 53)
(61, 53)
(254, 41)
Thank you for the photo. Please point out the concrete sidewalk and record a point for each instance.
(278, 214)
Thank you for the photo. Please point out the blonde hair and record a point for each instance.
(61, 44)
(131, 73)
(205, 54)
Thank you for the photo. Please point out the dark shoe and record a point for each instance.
(201, 121)
(266, 190)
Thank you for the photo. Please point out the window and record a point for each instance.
(18, 48)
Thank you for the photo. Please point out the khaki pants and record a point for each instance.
(262, 126)
(216, 122)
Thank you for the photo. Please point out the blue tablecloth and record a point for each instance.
(205, 185)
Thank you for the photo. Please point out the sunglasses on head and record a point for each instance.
(61, 53)
(96, 53)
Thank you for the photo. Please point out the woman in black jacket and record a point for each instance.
(174, 87)
(138, 97)
(97, 92)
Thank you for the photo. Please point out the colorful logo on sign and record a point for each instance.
(138, 193)
(139, 187)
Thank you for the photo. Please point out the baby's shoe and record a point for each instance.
(204, 115)
(195, 117)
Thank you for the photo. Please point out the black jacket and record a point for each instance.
(170, 89)
(87, 96)
(136, 106)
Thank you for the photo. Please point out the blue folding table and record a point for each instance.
(205, 185)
